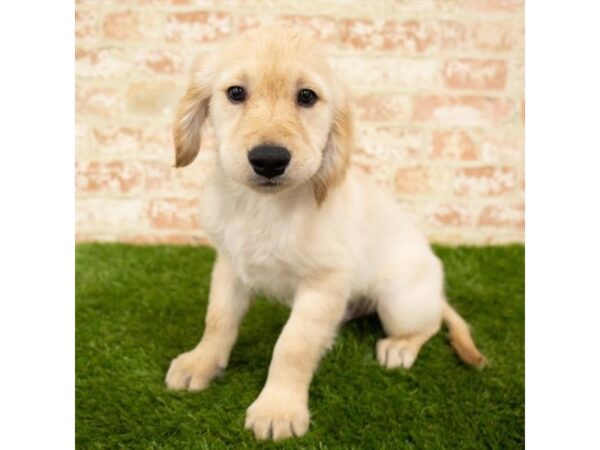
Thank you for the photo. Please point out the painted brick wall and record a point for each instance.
(438, 91)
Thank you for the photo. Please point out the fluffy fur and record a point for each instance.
(323, 240)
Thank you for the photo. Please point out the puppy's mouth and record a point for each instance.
(263, 184)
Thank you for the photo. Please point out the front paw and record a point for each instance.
(278, 414)
(192, 371)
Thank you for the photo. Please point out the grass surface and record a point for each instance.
(138, 307)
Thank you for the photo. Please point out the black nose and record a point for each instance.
(269, 160)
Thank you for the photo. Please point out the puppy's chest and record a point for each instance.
(266, 255)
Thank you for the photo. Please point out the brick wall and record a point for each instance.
(438, 91)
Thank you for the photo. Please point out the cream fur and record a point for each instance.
(324, 241)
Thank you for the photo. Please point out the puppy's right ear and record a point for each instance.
(191, 113)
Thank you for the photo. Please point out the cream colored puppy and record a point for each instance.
(290, 219)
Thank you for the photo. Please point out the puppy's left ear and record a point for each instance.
(191, 114)
(336, 157)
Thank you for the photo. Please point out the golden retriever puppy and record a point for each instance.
(290, 219)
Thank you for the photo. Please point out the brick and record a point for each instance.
(390, 73)
(153, 98)
(160, 177)
(522, 111)
(321, 28)
(128, 139)
(86, 24)
(359, 164)
(137, 177)
(378, 170)
(439, 108)
(445, 215)
(383, 107)
(132, 25)
(481, 6)
(503, 146)
(159, 62)
(249, 22)
(174, 213)
(143, 142)
(98, 101)
(454, 145)
(383, 142)
(464, 110)
(118, 141)
(500, 36)
(106, 215)
(109, 177)
(335, 8)
(83, 144)
(412, 36)
(122, 25)
(192, 179)
(162, 2)
(484, 180)
(516, 75)
(404, 8)
(506, 216)
(468, 73)
(103, 62)
(198, 26)
(412, 180)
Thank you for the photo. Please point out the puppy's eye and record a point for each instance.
(236, 94)
(306, 98)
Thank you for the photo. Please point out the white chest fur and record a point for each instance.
(264, 253)
(264, 236)
(276, 241)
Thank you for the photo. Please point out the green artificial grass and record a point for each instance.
(139, 307)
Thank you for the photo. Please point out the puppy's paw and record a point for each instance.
(192, 371)
(396, 352)
(278, 415)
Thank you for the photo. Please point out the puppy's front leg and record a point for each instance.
(227, 303)
(281, 409)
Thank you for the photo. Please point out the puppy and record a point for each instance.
(290, 219)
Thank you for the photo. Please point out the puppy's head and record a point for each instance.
(280, 116)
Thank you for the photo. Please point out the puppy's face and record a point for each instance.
(272, 112)
(279, 115)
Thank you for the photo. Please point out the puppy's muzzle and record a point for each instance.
(269, 161)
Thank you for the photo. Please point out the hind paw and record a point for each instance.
(396, 352)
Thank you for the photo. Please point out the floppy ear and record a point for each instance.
(336, 156)
(191, 113)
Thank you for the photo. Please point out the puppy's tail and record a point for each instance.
(460, 338)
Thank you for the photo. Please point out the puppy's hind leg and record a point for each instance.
(410, 309)
(395, 352)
